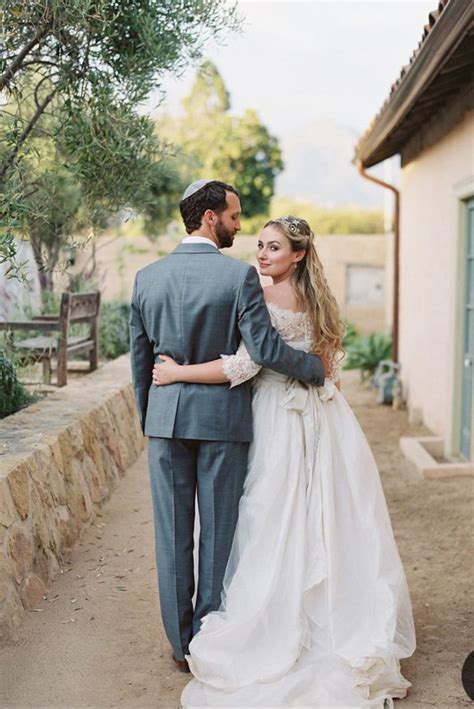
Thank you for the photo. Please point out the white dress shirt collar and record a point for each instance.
(198, 240)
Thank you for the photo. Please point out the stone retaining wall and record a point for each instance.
(59, 461)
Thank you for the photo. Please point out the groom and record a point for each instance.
(195, 305)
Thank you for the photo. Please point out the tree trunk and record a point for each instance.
(44, 275)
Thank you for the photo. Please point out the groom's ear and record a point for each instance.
(209, 217)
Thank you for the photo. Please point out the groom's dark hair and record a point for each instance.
(211, 196)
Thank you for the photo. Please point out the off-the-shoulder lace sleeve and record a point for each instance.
(238, 367)
(333, 368)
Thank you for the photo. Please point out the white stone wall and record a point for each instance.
(17, 295)
(431, 268)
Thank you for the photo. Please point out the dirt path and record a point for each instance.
(97, 639)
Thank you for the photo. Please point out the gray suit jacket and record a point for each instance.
(195, 305)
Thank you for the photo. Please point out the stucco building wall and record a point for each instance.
(433, 187)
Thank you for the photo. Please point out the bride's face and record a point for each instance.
(275, 256)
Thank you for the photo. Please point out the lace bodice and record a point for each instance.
(292, 327)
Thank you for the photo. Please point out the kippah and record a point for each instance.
(194, 187)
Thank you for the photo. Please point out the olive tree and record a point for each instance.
(72, 76)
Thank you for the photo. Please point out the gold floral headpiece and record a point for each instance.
(293, 224)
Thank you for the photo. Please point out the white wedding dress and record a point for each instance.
(315, 609)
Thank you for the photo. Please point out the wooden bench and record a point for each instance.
(75, 308)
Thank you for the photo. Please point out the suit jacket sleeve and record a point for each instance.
(264, 344)
(142, 356)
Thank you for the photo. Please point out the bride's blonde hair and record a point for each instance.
(314, 294)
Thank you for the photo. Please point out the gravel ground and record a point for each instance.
(97, 640)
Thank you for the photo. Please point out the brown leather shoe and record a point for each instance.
(182, 665)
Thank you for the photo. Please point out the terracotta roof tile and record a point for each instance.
(432, 19)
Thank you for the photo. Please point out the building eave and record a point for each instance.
(397, 120)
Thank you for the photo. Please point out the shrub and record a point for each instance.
(114, 338)
(50, 302)
(13, 395)
(350, 334)
(364, 353)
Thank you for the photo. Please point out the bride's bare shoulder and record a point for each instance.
(269, 294)
(272, 294)
(281, 298)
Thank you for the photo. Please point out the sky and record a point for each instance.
(298, 61)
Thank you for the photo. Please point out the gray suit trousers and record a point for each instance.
(180, 468)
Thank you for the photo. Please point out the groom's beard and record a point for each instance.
(225, 236)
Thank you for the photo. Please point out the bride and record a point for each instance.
(315, 607)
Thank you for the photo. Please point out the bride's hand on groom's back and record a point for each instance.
(166, 371)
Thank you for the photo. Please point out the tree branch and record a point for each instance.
(48, 77)
(17, 63)
(35, 118)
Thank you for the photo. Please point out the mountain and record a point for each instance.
(319, 169)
